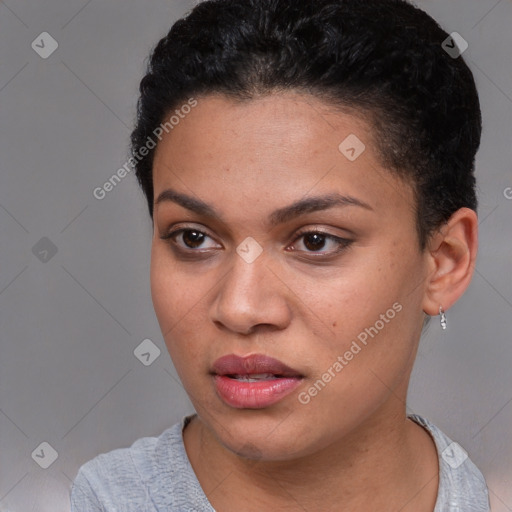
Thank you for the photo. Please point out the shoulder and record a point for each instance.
(461, 483)
(124, 479)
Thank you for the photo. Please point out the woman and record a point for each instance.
(309, 170)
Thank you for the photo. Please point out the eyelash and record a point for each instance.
(343, 243)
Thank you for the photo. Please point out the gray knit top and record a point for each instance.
(155, 475)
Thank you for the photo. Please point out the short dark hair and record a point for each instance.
(382, 58)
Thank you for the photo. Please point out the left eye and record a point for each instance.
(315, 241)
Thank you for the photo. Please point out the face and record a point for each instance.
(291, 327)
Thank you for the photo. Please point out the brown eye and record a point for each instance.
(314, 241)
(192, 238)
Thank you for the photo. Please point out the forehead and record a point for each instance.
(293, 124)
(282, 146)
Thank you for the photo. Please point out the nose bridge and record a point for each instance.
(250, 294)
(248, 280)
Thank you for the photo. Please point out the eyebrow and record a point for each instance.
(279, 216)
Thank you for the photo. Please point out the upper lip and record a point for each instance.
(252, 365)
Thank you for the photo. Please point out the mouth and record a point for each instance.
(255, 377)
(253, 382)
(256, 366)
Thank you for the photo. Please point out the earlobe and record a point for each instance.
(452, 255)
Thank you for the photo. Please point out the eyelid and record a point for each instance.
(183, 226)
(315, 229)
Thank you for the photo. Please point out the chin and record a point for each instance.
(263, 435)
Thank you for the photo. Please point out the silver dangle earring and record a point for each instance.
(443, 317)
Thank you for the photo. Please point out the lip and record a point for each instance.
(242, 394)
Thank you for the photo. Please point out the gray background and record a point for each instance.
(69, 322)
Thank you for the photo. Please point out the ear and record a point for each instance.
(451, 257)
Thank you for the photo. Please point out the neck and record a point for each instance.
(390, 463)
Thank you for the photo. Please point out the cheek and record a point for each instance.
(356, 296)
(374, 312)
(179, 300)
(169, 292)
(162, 290)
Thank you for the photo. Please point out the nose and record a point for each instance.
(252, 296)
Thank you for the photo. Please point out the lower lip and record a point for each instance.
(254, 395)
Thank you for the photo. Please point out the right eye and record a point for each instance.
(191, 239)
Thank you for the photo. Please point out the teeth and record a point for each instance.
(255, 377)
